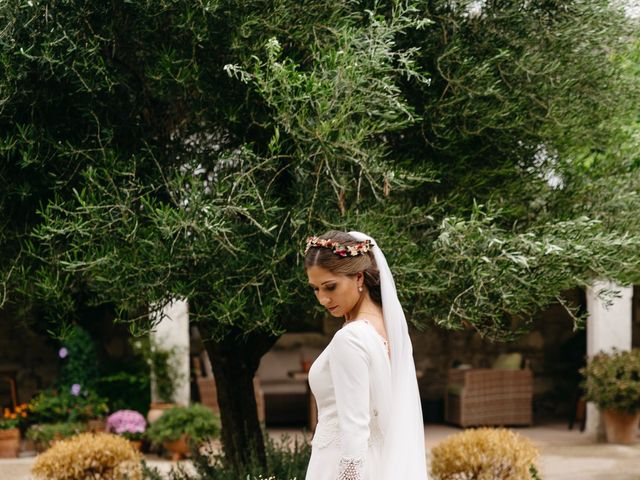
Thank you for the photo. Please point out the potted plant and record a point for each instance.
(129, 424)
(10, 430)
(180, 426)
(612, 381)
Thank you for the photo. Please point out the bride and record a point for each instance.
(369, 416)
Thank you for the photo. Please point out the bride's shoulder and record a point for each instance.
(352, 335)
(352, 328)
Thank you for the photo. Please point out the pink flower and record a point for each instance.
(75, 389)
(63, 352)
(126, 421)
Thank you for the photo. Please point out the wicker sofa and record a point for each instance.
(489, 397)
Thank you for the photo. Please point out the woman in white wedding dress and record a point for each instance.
(369, 416)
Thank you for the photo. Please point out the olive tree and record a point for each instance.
(168, 149)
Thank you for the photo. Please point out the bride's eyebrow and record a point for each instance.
(326, 281)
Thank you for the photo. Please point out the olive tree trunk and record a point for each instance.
(234, 361)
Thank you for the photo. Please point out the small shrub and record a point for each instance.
(484, 454)
(196, 422)
(89, 455)
(42, 435)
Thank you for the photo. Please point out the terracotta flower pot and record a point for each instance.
(178, 448)
(9, 443)
(137, 444)
(621, 427)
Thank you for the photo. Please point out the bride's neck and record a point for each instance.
(365, 306)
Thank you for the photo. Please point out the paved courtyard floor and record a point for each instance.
(564, 454)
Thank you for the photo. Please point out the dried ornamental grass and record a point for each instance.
(89, 456)
(484, 454)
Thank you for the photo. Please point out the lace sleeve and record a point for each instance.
(349, 363)
(351, 469)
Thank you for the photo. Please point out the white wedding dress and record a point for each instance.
(369, 415)
(350, 381)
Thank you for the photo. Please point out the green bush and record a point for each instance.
(126, 387)
(79, 360)
(287, 459)
(43, 434)
(197, 422)
(612, 380)
(52, 406)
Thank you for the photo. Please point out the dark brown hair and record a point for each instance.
(365, 263)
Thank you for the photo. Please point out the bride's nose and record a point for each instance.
(324, 301)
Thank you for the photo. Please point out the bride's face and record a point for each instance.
(337, 293)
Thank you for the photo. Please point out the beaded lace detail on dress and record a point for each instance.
(328, 432)
(350, 468)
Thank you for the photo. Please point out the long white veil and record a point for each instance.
(404, 449)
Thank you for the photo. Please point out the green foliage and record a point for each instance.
(517, 80)
(287, 459)
(127, 388)
(612, 381)
(52, 406)
(43, 434)
(196, 422)
(532, 269)
(80, 364)
(162, 364)
(9, 423)
(535, 475)
(345, 130)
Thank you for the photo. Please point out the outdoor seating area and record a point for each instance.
(499, 396)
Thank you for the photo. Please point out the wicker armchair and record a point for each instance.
(489, 397)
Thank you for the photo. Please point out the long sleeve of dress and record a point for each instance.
(349, 363)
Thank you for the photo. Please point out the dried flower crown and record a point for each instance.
(359, 248)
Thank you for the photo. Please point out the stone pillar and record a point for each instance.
(607, 328)
(173, 332)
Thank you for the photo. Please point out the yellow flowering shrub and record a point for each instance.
(484, 454)
(89, 455)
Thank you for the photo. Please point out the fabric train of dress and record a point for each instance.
(349, 380)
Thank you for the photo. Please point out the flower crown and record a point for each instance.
(359, 248)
